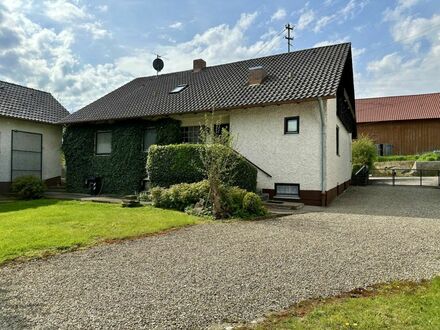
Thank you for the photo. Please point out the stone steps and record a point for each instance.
(282, 207)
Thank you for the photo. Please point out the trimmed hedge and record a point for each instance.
(173, 164)
(123, 170)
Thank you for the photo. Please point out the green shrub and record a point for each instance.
(180, 163)
(179, 196)
(429, 157)
(28, 187)
(364, 151)
(253, 205)
(193, 198)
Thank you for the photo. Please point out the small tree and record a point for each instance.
(364, 151)
(218, 161)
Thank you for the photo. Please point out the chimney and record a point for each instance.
(257, 75)
(198, 65)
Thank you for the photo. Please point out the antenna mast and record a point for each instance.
(289, 28)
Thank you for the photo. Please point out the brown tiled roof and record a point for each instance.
(298, 75)
(31, 104)
(393, 108)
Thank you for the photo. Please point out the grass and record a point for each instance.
(399, 305)
(43, 227)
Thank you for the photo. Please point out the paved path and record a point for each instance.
(220, 273)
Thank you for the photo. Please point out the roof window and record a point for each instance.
(179, 88)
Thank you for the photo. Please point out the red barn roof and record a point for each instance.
(393, 108)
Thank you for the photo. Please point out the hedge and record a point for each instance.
(180, 163)
(123, 170)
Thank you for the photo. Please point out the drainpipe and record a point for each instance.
(323, 153)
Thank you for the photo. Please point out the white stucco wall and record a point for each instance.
(52, 136)
(338, 167)
(289, 158)
(198, 119)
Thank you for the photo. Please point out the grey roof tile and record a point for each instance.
(30, 104)
(298, 75)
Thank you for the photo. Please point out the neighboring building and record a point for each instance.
(292, 115)
(30, 139)
(401, 125)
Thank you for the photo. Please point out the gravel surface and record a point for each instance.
(214, 274)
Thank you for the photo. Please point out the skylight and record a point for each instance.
(179, 88)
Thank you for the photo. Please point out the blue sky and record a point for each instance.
(80, 50)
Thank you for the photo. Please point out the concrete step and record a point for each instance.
(282, 205)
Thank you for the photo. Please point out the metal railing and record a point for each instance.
(401, 176)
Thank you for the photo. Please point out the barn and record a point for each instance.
(401, 125)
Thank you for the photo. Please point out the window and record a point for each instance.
(337, 140)
(191, 134)
(287, 190)
(150, 135)
(103, 143)
(291, 125)
(179, 88)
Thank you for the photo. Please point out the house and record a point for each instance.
(292, 115)
(401, 125)
(30, 137)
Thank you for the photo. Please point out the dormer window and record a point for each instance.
(179, 88)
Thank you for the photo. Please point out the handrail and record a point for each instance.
(364, 167)
(253, 164)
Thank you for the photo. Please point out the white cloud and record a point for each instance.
(307, 17)
(96, 30)
(331, 42)
(176, 25)
(350, 9)
(413, 69)
(279, 15)
(103, 8)
(64, 11)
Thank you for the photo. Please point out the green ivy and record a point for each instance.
(123, 170)
(180, 163)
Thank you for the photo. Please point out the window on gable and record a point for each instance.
(103, 143)
(178, 88)
(291, 125)
(191, 134)
(150, 136)
(337, 140)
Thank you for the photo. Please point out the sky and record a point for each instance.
(80, 50)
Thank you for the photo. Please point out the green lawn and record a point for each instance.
(41, 227)
(393, 306)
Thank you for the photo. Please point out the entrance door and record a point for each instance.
(26, 152)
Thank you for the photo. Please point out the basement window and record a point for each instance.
(179, 88)
(287, 190)
(103, 143)
(291, 125)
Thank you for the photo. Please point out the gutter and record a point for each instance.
(323, 153)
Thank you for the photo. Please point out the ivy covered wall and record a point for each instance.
(123, 170)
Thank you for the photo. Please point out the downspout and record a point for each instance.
(323, 153)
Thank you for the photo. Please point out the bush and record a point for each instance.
(364, 151)
(181, 163)
(28, 187)
(193, 198)
(429, 157)
(253, 205)
(179, 196)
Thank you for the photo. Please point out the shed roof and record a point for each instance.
(396, 108)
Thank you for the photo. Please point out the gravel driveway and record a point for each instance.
(219, 273)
